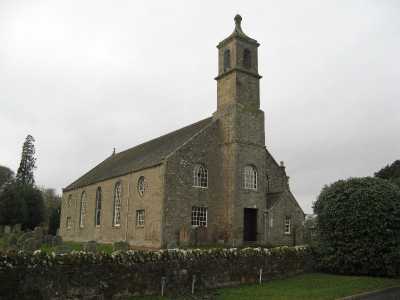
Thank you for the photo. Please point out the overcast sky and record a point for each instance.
(85, 76)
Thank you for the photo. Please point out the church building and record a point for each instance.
(212, 182)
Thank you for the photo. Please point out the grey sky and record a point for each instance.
(85, 76)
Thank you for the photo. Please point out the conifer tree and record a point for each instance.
(27, 164)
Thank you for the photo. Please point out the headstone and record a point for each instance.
(63, 248)
(172, 244)
(90, 246)
(17, 228)
(120, 246)
(7, 229)
(57, 240)
(31, 244)
(21, 239)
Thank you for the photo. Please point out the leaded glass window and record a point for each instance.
(97, 214)
(141, 187)
(117, 204)
(288, 225)
(199, 216)
(200, 176)
(249, 178)
(140, 217)
(83, 210)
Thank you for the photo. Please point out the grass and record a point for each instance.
(303, 287)
(107, 248)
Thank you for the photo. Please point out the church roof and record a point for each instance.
(142, 156)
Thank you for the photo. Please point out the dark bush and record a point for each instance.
(359, 227)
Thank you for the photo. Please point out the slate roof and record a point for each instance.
(142, 156)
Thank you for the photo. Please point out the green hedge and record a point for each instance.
(85, 275)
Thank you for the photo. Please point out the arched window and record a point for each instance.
(69, 201)
(200, 176)
(250, 178)
(97, 213)
(82, 210)
(247, 58)
(227, 59)
(117, 204)
(141, 186)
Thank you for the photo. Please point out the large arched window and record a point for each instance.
(227, 59)
(117, 204)
(247, 58)
(82, 210)
(250, 178)
(97, 213)
(200, 176)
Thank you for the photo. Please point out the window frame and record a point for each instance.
(288, 225)
(141, 186)
(117, 205)
(97, 207)
(140, 217)
(200, 176)
(250, 178)
(199, 217)
(83, 208)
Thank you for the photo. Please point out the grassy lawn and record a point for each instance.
(307, 286)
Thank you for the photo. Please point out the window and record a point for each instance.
(140, 217)
(117, 204)
(97, 213)
(288, 225)
(250, 178)
(83, 210)
(199, 216)
(247, 59)
(68, 224)
(69, 201)
(141, 186)
(200, 176)
(227, 59)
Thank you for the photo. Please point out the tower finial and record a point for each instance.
(238, 20)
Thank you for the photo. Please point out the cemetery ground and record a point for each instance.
(312, 286)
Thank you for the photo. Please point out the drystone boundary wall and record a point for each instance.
(85, 275)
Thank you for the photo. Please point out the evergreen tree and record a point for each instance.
(390, 172)
(6, 176)
(13, 208)
(27, 164)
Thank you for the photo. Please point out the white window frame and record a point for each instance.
(140, 217)
(288, 225)
(200, 176)
(83, 210)
(97, 210)
(250, 178)
(199, 216)
(117, 204)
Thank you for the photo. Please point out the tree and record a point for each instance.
(390, 172)
(36, 210)
(6, 175)
(359, 227)
(12, 206)
(27, 164)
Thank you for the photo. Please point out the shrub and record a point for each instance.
(359, 227)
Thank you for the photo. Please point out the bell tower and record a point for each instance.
(238, 78)
(238, 89)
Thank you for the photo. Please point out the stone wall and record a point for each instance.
(92, 276)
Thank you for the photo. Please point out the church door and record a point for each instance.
(250, 225)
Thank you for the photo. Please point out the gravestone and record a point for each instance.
(90, 246)
(7, 229)
(120, 246)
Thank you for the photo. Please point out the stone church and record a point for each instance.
(212, 182)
